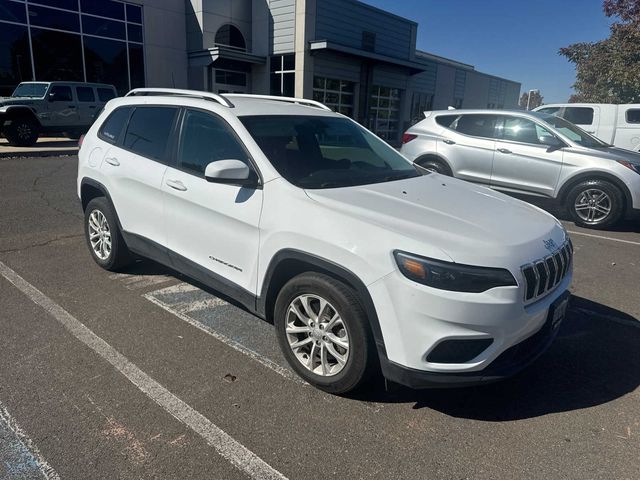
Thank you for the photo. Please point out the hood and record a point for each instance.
(18, 100)
(466, 221)
(611, 153)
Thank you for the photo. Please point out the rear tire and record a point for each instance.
(337, 352)
(434, 165)
(103, 236)
(21, 132)
(595, 204)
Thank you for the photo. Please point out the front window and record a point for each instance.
(30, 90)
(518, 129)
(572, 132)
(326, 152)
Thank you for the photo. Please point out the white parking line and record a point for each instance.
(233, 451)
(572, 232)
(34, 454)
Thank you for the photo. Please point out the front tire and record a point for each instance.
(103, 236)
(595, 204)
(21, 132)
(436, 166)
(324, 334)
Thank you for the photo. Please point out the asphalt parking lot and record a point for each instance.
(142, 374)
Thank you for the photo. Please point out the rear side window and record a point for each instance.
(477, 125)
(633, 115)
(61, 93)
(578, 115)
(113, 125)
(85, 94)
(149, 130)
(105, 94)
(206, 138)
(446, 120)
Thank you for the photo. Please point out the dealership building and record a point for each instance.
(358, 59)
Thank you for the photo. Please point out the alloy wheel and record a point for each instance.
(317, 335)
(99, 235)
(593, 205)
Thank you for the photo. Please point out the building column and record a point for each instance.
(305, 30)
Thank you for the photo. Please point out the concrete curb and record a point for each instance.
(41, 153)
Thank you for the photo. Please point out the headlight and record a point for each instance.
(452, 276)
(631, 166)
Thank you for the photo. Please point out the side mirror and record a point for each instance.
(552, 142)
(232, 172)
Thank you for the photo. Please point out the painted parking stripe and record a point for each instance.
(228, 324)
(229, 448)
(19, 457)
(572, 232)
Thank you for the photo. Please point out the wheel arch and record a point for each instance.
(90, 189)
(288, 263)
(595, 175)
(21, 111)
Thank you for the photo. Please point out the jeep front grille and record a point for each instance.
(541, 276)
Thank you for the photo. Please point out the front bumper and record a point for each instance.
(415, 320)
(510, 362)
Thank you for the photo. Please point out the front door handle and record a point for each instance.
(504, 150)
(449, 142)
(176, 185)
(112, 161)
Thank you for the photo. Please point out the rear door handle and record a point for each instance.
(504, 150)
(449, 142)
(71, 106)
(112, 161)
(176, 185)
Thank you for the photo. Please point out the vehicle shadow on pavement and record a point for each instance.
(594, 360)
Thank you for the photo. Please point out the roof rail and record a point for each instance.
(301, 101)
(214, 97)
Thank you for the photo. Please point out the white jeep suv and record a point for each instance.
(310, 221)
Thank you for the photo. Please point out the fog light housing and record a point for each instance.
(459, 350)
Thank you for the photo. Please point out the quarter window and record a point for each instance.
(149, 131)
(477, 125)
(446, 120)
(206, 138)
(633, 115)
(85, 94)
(112, 127)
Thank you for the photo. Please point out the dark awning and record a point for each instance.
(203, 58)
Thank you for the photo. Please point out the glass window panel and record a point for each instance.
(56, 55)
(633, 115)
(136, 66)
(106, 62)
(134, 13)
(61, 93)
(112, 127)
(205, 139)
(106, 94)
(331, 97)
(66, 4)
(477, 125)
(13, 12)
(102, 27)
(520, 130)
(15, 60)
(578, 115)
(333, 84)
(104, 8)
(134, 32)
(318, 96)
(275, 63)
(30, 90)
(231, 36)
(149, 130)
(318, 82)
(85, 94)
(289, 62)
(346, 86)
(52, 18)
(289, 85)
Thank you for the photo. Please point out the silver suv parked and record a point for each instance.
(37, 108)
(533, 154)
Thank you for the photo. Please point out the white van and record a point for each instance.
(618, 125)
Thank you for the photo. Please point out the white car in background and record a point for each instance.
(617, 125)
(310, 221)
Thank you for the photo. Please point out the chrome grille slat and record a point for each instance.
(548, 272)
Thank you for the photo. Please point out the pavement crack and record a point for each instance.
(41, 244)
(43, 195)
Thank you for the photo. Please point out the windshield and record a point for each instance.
(571, 131)
(30, 90)
(326, 152)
